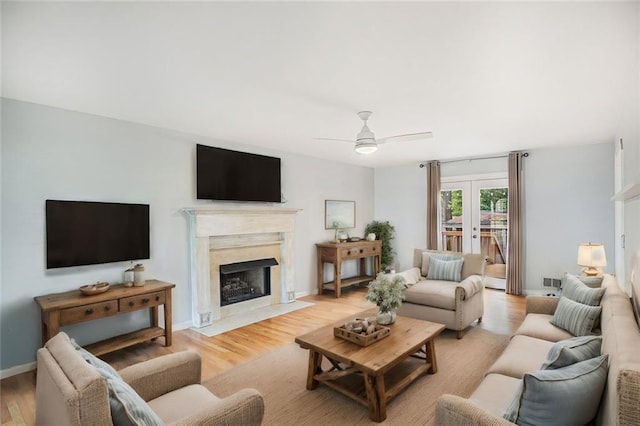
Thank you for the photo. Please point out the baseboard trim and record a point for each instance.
(182, 325)
(302, 293)
(18, 369)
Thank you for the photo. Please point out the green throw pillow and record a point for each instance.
(578, 291)
(570, 351)
(576, 318)
(566, 396)
(446, 270)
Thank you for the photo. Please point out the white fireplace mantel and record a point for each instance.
(235, 227)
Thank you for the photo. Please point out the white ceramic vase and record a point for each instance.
(386, 318)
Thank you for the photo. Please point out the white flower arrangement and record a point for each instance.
(386, 292)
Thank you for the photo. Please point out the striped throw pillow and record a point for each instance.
(570, 351)
(579, 292)
(446, 270)
(576, 318)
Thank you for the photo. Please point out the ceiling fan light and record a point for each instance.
(366, 146)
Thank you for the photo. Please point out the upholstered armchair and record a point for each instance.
(72, 389)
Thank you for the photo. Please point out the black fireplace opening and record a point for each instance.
(243, 281)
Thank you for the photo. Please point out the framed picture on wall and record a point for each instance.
(339, 214)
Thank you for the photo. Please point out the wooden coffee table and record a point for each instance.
(375, 374)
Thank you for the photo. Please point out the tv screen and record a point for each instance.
(223, 174)
(87, 233)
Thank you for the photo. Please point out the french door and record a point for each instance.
(474, 219)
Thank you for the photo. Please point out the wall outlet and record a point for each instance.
(291, 295)
(551, 282)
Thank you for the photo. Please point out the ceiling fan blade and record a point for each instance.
(332, 139)
(406, 137)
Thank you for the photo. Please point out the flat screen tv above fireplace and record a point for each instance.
(88, 232)
(227, 175)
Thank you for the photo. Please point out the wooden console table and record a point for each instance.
(72, 307)
(337, 252)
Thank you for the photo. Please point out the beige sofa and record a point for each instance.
(527, 350)
(454, 304)
(70, 391)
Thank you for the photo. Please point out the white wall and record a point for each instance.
(567, 193)
(567, 202)
(49, 153)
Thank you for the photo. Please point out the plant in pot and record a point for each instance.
(386, 292)
(384, 232)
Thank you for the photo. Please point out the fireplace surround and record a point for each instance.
(224, 236)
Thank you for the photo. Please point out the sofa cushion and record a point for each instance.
(474, 264)
(448, 270)
(495, 393)
(182, 403)
(523, 354)
(439, 294)
(538, 326)
(565, 396)
(570, 351)
(577, 318)
(578, 291)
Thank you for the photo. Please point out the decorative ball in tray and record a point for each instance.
(91, 289)
(362, 331)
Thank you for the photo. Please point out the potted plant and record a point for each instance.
(386, 292)
(384, 232)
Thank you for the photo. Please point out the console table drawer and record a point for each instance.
(88, 312)
(134, 303)
(359, 252)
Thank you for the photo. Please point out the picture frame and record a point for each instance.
(339, 214)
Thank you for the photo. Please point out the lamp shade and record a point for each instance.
(591, 255)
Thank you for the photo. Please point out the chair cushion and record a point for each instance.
(439, 294)
(523, 354)
(577, 318)
(565, 396)
(448, 270)
(127, 408)
(578, 291)
(182, 403)
(570, 351)
(538, 326)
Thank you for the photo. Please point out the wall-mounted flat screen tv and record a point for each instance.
(88, 233)
(228, 175)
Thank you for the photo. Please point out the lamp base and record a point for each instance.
(591, 272)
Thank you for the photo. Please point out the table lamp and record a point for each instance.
(593, 257)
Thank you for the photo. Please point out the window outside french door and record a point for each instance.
(474, 219)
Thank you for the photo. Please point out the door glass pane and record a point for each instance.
(451, 214)
(493, 230)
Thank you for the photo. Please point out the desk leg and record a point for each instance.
(168, 323)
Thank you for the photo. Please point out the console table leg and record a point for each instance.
(168, 323)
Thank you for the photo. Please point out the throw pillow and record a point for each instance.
(411, 276)
(579, 292)
(447, 270)
(593, 282)
(566, 396)
(127, 408)
(426, 256)
(576, 318)
(570, 351)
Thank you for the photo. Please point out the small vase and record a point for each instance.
(386, 318)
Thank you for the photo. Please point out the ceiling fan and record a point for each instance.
(366, 142)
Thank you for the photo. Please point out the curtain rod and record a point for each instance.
(524, 154)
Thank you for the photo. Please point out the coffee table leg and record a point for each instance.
(315, 359)
(430, 352)
(374, 386)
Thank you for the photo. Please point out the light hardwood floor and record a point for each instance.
(503, 314)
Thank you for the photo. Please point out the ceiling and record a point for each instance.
(485, 78)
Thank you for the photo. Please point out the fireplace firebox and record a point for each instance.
(243, 281)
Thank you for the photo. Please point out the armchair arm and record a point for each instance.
(245, 407)
(542, 304)
(155, 377)
(466, 288)
(452, 410)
